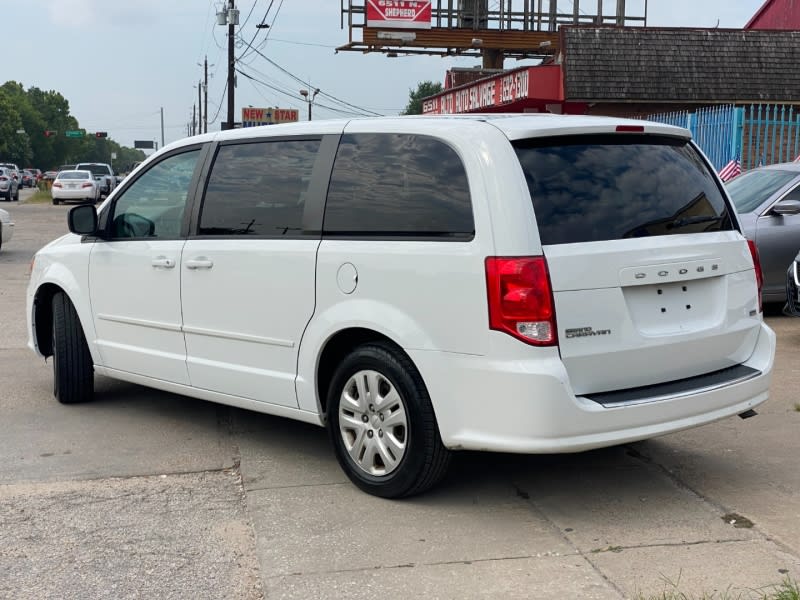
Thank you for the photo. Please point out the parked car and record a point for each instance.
(9, 187)
(75, 185)
(103, 174)
(419, 286)
(6, 228)
(37, 175)
(28, 179)
(16, 174)
(768, 202)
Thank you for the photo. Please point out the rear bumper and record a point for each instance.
(77, 194)
(527, 406)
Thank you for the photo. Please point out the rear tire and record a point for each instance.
(55, 202)
(382, 425)
(73, 368)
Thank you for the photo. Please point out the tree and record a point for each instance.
(35, 111)
(415, 98)
(14, 147)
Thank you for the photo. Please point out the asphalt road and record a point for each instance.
(143, 494)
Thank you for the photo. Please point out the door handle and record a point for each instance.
(199, 263)
(162, 262)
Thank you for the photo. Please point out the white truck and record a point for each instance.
(103, 173)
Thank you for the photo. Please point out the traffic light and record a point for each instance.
(101, 134)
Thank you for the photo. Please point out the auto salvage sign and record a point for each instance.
(400, 14)
(488, 93)
(253, 117)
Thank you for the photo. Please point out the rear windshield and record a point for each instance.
(609, 187)
(95, 169)
(74, 175)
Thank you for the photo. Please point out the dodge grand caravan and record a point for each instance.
(529, 284)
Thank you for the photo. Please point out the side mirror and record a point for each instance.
(787, 207)
(82, 220)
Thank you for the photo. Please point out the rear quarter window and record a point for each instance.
(399, 186)
(610, 187)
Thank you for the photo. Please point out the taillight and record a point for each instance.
(3, 178)
(56, 184)
(759, 274)
(521, 299)
(87, 184)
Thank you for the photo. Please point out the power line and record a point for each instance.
(359, 109)
(274, 84)
(250, 14)
(270, 86)
(219, 107)
(258, 91)
(301, 43)
(293, 97)
(263, 22)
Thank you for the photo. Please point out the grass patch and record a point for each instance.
(40, 197)
(787, 590)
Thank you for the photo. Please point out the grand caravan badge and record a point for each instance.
(580, 332)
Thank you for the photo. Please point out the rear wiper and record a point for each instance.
(686, 221)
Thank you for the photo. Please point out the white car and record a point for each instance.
(75, 185)
(6, 228)
(419, 285)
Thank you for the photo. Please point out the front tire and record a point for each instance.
(73, 370)
(382, 425)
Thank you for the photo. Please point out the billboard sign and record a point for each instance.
(254, 117)
(400, 14)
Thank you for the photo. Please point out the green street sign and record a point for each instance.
(75, 133)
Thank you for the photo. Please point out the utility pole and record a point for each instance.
(231, 63)
(205, 91)
(194, 121)
(162, 126)
(199, 107)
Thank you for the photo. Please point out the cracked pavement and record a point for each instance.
(147, 494)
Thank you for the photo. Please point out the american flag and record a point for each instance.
(731, 170)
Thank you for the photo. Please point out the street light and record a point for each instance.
(305, 94)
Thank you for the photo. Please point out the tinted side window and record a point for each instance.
(258, 188)
(398, 185)
(608, 187)
(154, 204)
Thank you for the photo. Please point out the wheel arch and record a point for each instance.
(335, 349)
(43, 317)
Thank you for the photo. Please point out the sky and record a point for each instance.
(119, 62)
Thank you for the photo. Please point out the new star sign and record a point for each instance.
(253, 117)
(399, 14)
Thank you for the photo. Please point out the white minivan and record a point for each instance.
(419, 285)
